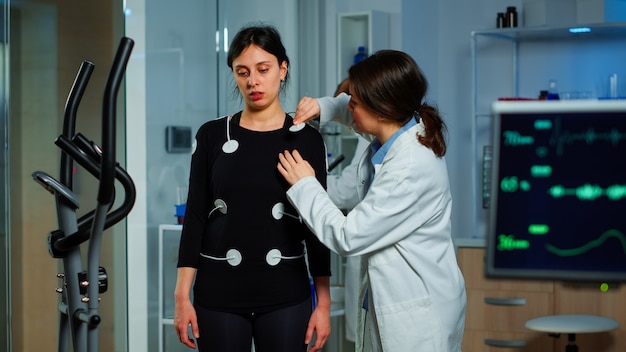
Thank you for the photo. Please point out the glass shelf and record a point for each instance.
(552, 33)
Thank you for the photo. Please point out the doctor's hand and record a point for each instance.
(308, 109)
(293, 167)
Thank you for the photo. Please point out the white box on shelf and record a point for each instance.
(551, 13)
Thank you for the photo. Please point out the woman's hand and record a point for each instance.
(293, 167)
(184, 312)
(320, 323)
(308, 109)
(320, 318)
(185, 315)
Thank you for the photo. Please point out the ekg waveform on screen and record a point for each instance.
(568, 252)
(562, 139)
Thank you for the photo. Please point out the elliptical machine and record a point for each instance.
(78, 306)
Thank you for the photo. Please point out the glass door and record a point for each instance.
(5, 259)
(178, 80)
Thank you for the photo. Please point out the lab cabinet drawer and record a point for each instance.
(505, 311)
(489, 341)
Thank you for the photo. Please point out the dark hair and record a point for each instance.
(390, 83)
(265, 37)
(343, 87)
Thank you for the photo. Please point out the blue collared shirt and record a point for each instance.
(380, 151)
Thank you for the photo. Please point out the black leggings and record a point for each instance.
(282, 330)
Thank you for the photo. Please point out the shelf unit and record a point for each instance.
(507, 41)
(369, 29)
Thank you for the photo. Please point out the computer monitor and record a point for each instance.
(558, 197)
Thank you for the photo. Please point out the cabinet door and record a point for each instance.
(472, 263)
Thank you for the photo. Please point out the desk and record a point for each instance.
(571, 324)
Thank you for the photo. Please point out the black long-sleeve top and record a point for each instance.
(247, 181)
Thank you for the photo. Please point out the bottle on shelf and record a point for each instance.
(511, 16)
(360, 55)
(553, 93)
(500, 20)
(613, 94)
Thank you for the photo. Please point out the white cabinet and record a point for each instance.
(369, 29)
(518, 63)
(169, 236)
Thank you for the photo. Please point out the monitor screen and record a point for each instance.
(558, 199)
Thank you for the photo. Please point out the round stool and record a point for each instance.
(571, 324)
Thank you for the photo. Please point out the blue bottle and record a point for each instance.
(553, 93)
(360, 55)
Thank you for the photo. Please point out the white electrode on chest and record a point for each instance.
(231, 145)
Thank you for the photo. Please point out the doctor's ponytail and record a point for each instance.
(434, 131)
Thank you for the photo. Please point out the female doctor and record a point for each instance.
(413, 292)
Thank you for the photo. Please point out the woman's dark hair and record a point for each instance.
(391, 84)
(265, 37)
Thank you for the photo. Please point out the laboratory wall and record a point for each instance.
(440, 39)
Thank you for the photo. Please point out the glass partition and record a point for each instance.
(5, 263)
(187, 83)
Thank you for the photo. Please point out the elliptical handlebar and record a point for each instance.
(90, 162)
(107, 170)
(69, 118)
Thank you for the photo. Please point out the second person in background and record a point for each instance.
(342, 190)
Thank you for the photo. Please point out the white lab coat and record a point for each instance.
(402, 229)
